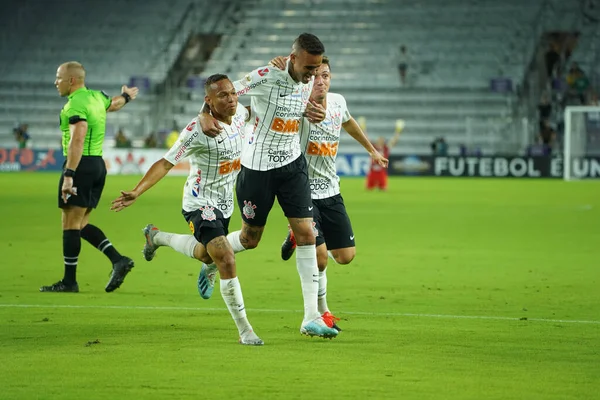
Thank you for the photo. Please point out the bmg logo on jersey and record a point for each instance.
(227, 166)
(285, 125)
(322, 149)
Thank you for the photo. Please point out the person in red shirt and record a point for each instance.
(377, 176)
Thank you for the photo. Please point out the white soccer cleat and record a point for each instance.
(318, 327)
(249, 338)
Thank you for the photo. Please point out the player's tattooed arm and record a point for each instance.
(210, 126)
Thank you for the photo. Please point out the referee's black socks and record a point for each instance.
(94, 236)
(71, 249)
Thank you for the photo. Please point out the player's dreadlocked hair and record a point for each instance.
(309, 43)
(213, 79)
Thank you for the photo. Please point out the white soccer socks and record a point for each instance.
(322, 293)
(184, 244)
(234, 240)
(306, 262)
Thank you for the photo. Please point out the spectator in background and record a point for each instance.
(150, 141)
(439, 147)
(403, 59)
(544, 109)
(547, 137)
(552, 58)
(579, 84)
(172, 137)
(21, 135)
(121, 141)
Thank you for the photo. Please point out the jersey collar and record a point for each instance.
(78, 90)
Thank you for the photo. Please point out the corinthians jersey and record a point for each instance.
(214, 164)
(277, 103)
(320, 145)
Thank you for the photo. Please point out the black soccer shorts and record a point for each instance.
(332, 223)
(206, 223)
(89, 180)
(256, 192)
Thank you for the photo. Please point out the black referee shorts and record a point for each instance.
(89, 180)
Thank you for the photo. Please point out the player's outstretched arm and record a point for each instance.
(157, 171)
(354, 130)
(127, 94)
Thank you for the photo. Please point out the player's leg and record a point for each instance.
(371, 180)
(221, 252)
(335, 226)
(294, 196)
(121, 265)
(71, 220)
(383, 180)
(73, 212)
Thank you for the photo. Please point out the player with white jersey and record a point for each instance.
(320, 143)
(207, 195)
(273, 166)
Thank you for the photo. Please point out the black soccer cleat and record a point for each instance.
(120, 270)
(288, 246)
(60, 286)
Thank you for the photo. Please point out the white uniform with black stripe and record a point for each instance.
(214, 163)
(320, 145)
(277, 103)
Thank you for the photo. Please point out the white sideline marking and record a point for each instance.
(374, 314)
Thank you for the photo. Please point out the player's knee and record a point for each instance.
(344, 257)
(249, 243)
(305, 239)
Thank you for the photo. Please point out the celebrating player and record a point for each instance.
(273, 166)
(83, 125)
(320, 142)
(207, 196)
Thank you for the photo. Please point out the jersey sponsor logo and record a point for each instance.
(229, 166)
(196, 187)
(263, 71)
(250, 87)
(248, 210)
(319, 185)
(208, 213)
(190, 126)
(323, 149)
(286, 126)
(278, 156)
(185, 144)
(224, 204)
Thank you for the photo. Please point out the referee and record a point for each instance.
(83, 125)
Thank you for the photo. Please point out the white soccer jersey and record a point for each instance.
(214, 163)
(320, 145)
(277, 103)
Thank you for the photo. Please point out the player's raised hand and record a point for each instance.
(131, 91)
(210, 126)
(279, 62)
(315, 112)
(123, 201)
(379, 159)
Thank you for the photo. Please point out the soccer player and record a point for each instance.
(377, 175)
(207, 195)
(320, 142)
(83, 125)
(273, 166)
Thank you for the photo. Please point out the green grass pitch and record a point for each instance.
(461, 289)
